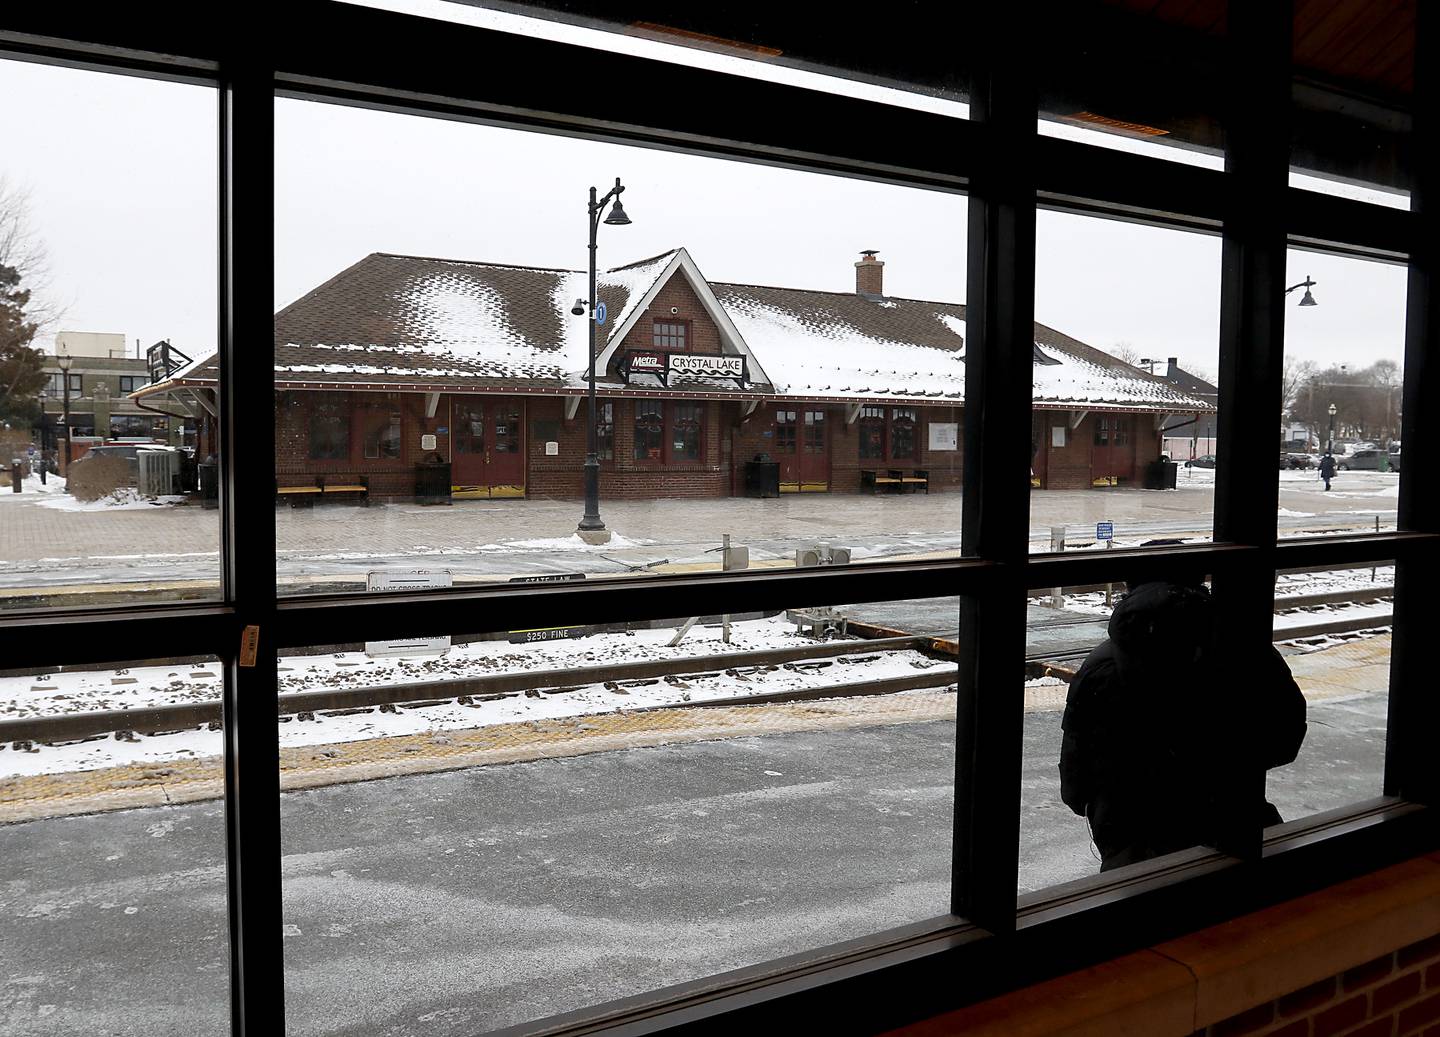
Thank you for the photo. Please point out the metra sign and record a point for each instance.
(649, 362)
(715, 366)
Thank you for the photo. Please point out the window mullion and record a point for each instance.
(1252, 337)
(1410, 769)
(247, 473)
(1000, 314)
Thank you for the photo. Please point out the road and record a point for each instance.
(455, 902)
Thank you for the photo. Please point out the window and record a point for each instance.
(1102, 431)
(942, 825)
(902, 433)
(130, 382)
(670, 335)
(604, 430)
(785, 431)
(649, 430)
(815, 432)
(329, 427)
(130, 426)
(381, 436)
(76, 384)
(687, 430)
(872, 433)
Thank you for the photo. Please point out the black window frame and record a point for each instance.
(991, 941)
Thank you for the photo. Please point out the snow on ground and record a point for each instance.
(30, 487)
(137, 687)
(126, 498)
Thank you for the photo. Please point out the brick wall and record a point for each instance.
(1073, 466)
(386, 477)
(1394, 995)
(701, 337)
(1357, 959)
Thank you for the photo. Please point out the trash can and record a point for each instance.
(762, 477)
(208, 476)
(1160, 475)
(432, 480)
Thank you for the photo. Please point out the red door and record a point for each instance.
(487, 436)
(814, 451)
(802, 447)
(1113, 457)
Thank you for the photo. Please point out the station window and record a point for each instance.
(329, 428)
(902, 433)
(381, 436)
(670, 334)
(649, 431)
(687, 427)
(872, 433)
(605, 430)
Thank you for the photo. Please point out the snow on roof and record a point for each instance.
(834, 345)
(406, 319)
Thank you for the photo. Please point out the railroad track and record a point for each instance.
(475, 691)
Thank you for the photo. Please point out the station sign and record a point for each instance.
(663, 364)
(396, 580)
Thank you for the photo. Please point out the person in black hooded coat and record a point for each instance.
(1165, 738)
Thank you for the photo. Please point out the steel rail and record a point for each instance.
(179, 716)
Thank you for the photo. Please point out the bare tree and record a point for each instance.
(1126, 353)
(22, 250)
(1296, 379)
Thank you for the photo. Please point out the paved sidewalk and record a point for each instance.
(43, 546)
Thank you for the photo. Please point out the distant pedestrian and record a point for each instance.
(1166, 738)
(1327, 469)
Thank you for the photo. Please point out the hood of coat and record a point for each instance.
(1167, 623)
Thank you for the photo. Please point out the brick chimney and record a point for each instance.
(870, 275)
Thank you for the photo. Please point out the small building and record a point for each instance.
(1184, 437)
(693, 379)
(103, 378)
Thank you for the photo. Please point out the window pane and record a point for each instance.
(1122, 439)
(705, 798)
(1343, 395)
(112, 834)
(787, 396)
(1332, 626)
(110, 279)
(1088, 734)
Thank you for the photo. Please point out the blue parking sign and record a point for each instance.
(600, 313)
(1104, 531)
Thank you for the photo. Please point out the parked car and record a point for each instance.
(1395, 460)
(1203, 461)
(1296, 459)
(1367, 459)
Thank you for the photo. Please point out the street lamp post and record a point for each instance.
(1330, 447)
(592, 528)
(1307, 284)
(65, 362)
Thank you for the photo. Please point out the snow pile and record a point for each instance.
(31, 487)
(126, 498)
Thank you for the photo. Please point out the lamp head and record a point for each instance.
(579, 308)
(1308, 299)
(64, 360)
(1333, 409)
(617, 217)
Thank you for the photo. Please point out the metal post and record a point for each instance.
(65, 415)
(590, 522)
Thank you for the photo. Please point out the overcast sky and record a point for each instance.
(121, 176)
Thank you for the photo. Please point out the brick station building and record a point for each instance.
(694, 378)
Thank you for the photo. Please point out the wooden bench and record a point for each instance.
(919, 477)
(353, 487)
(299, 496)
(872, 480)
(303, 495)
